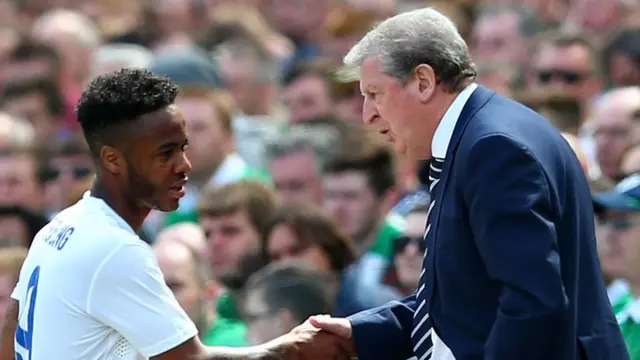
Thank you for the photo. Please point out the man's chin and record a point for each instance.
(168, 205)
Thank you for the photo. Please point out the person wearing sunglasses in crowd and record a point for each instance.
(408, 252)
(68, 166)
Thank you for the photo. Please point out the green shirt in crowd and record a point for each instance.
(627, 311)
(228, 329)
(187, 212)
(392, 228)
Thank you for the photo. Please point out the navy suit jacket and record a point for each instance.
(512, 268)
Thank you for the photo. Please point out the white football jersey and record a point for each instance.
(90, 289)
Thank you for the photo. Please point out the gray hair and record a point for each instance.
(69, 22)
(126, 55)
(422, 36)
(324, 142)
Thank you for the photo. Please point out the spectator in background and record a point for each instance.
(501, 77)
(360, 189)
(574, 142)
(67, 166)
(597, 18)
(172, 21)
(282, 296)
(252, 21)
(75, 38)
(32, 59)
(304, 232)
(191, 67)
(631, 161)
(234, 217)
(567, 61)
(39, 101)
(301, 21)
(11, 260)
(181, 257)
(208, 116)
(112, 57)
(345, 25)
(296, 160)
(620, 57)
(15, 132)
(250, 73)
(348, 100)
(307, 91)
(462, 13)
(20, 180)
(619, 216)
(613, 125)
(560, 106)
(19, 225)
(503, 33)
(408, 253)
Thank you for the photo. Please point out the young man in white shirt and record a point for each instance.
(90, 288)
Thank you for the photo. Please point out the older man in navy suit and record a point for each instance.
(511, 270)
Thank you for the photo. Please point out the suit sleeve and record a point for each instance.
(384, 332)
(512, 219)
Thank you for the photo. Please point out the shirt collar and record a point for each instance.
(444, 131)
(107, 210)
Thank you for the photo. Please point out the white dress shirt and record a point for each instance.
(439, 146)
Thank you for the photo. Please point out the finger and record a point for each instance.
(335, 326)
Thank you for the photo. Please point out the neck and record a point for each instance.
(438, 109)
(365, 242)
(124, 206)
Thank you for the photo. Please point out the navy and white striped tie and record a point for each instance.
(421, 333)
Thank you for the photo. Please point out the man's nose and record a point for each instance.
(184, 165)
(369, 111)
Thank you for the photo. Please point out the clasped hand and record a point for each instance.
(320, 337)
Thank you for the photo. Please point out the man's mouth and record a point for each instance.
(177, 190)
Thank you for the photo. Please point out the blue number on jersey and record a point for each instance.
(25, 337)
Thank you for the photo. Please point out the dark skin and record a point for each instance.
(143, 171)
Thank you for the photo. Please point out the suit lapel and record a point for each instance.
(479, 97)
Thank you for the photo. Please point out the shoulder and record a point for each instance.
(506, 127)
(126, 259)
(502, 115)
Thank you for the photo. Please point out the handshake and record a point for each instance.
(320, 337)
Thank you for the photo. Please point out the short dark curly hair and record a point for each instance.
(119, 98)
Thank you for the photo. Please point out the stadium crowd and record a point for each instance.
(294, 208)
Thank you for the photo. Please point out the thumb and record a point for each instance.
(337, 326)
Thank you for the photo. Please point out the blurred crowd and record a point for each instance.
(294, 208)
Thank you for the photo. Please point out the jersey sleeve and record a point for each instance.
(129, 294)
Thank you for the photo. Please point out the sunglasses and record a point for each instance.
(568, 77)
(78, 173)
(621, 224)
(402, 242)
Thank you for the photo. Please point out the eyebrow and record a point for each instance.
(171, 145)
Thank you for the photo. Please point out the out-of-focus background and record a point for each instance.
(293, 208)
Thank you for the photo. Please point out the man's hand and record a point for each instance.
(337, 326)
(308, 342)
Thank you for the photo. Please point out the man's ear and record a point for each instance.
(426, 82)
(112, 159)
